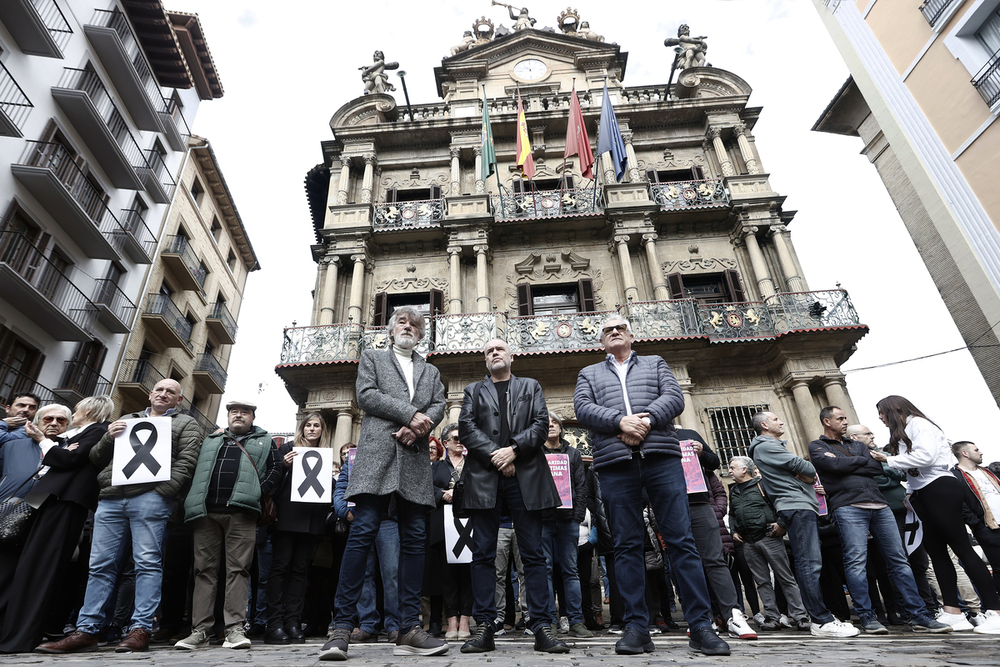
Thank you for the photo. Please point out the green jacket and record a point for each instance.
(185, 440)
(247, 492)
(750, 512)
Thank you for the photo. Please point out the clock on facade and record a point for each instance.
(530, 69)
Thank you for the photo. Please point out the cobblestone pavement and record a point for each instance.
(897, 649)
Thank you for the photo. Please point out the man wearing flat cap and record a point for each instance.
(236, 468)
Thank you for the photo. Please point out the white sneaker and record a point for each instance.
(834, 628)
(759, 618)
(990, 624)
(977, 619)
(197, 639)
(785, 622)
(738, 626)
(958, 622)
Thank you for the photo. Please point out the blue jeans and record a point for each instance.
(663, 478)
(369, 511)
(803, 533)
(559, 539)
(855, 524)
(387, 549)
(146, 517)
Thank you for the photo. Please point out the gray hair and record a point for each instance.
(448, 429)
(758, 421)
(553, 415)
(98, 408)
(746, 462)
(416, 319)
(52, 407)
(614, 318)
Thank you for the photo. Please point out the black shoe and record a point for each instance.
(276, 635)
(705, 640)
(336, 647)
(295, 634)
(435, 630)
(547, 642)
(255, 630)
(634, 642)
(481, 642)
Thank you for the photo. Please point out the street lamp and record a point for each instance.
(402, 77)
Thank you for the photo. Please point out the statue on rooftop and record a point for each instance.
(374, 76)
(522, 21)
(468, 41)
(587, 33)
(691, 50)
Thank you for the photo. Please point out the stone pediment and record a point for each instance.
(365, 110)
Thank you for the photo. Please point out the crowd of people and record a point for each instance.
(225, 548)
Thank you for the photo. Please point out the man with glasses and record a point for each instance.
(629, 403)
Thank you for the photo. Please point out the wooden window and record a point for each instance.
(538, 299)
(722, 287)
(694, 173)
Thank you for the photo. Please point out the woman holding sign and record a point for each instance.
(298, 530)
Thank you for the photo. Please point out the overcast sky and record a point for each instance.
(287, 67)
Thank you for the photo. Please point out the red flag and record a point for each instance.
(524, 159)
(577, 142)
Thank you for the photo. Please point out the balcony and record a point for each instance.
(125, 62)
(324, 343)
(209, 374)
(38, 26)
(687, 195)
(52, 176)
(165, 319)
(183, 263)
(207, 425)
(139, 243)
(566, 332)
(987, 82)
(14, 105)
(174, 126)
(156, 177)
(807, 311)
(137, 378)
(221, 324)
(14, 382)
(462, 332)
(548, 204)
(114, 309)
(933, 10)
(80, 381)
(395, 216)
(87, 104)
(37, 289)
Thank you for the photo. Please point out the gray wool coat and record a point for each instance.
(382, 464)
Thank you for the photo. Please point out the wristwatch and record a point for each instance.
(515, 448)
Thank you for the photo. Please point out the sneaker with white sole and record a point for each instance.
(834, 628)
(197, 639)
(738, 626)
(563, 625)
(785, 622)
(977, 619)
(990, 624)
(958, 622)
(759, 618)
(417, 642)
(236, 638)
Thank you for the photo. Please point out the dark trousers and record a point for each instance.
(178, 579)
(989, 540)
(35, 582)
(528, 528)
(291, 554)
(803, 533)
(705, 527)
(457, 589)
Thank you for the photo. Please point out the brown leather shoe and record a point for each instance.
(76, 642)
(137, 640)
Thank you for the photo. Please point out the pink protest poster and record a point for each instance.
(693, 475)
(823, 510)
(559, 466)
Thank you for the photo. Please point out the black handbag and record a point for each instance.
(16, 515)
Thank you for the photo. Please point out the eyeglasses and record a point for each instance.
(60, 420)
(453, 438)
(617, 327)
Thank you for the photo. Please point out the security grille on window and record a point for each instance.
(732, 430)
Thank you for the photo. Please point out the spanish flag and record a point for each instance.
(524, 160)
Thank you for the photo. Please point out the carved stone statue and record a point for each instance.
(374, 76)
(587, 33)
(693, 49)
(522, 21)
(468, 40)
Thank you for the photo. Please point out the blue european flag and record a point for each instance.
(609, 137)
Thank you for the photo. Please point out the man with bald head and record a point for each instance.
(138, 510)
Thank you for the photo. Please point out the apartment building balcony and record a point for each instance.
(139, 243)
(403, 215)
(567, 203)
(38, 26)
(114, 308)
(175, 128)
(181, 260)
(14, 105)
(13, 382)
(209, 374)
(87, 104)
(156, 178)
(207, 425)
(222, 324)
(125, 62)
(165, 320)
(687, 195)
(987, 82)
(37, 289)
(137, 378)
(52, 175)
(80, 381)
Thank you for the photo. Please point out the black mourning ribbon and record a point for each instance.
(143, 452)
(464, 535)
(911, 530)
(312, 462)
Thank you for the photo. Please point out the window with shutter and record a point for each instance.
(733, 286)
(652, 176)
(524, 298)
(676, 285)
(437, 302)
(381, 308)
(435, 192)
(586, 295)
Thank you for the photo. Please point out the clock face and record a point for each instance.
(530, 69)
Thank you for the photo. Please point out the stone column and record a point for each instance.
(628, 277)
(357, 288)
(345, 181)
(764, 283)
(482, 284)
(836, 394)
(715, 134)
(344, 429)
(608, 167)
(808, 417)
(454, 411)
(687, 418)
(318, 292)
(480, 183)
(633, 164)
(329, 291)
(455, 260)
(745, 150)
(792, 277)
(455, 173)
(366, 184)
(660, 291)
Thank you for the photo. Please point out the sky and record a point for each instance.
(286, 68)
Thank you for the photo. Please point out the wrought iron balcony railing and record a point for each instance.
(987, 80)
(689, 194)
(172, 112)
(209, 364)
(112, 296)
(328, 342)
(13, 382)
(552, 333)
(160, 172)
(653, 320)
(115, 19)
(181, 245)
(547, 204)
(467, 331)
(133, 223)
(140, 372)
(409, 214)
(83, 380)
(796, 311)
(933, 10)
(206, 424)
(163, 305)
(14, 104)
(221, 313)
(735, 321)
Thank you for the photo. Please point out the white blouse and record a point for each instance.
(930, 454)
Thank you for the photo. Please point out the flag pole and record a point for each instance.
(496, 172)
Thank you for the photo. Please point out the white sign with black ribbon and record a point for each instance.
(312, 475)
(457, 537)
(142, 452)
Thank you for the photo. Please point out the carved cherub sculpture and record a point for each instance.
(374, 76)
(692, 49)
